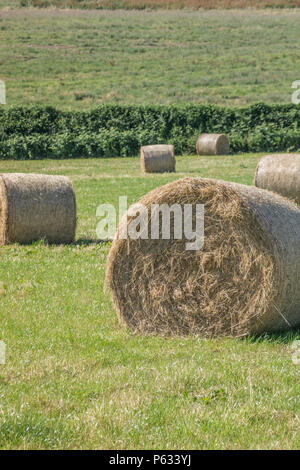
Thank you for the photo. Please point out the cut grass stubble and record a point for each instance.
(74, 379)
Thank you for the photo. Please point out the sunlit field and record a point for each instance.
(77, 59)
(74, 378)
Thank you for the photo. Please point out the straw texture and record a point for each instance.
(157, 158)
(280, 173)
(212, 144)
(245, 280)
(33, 207)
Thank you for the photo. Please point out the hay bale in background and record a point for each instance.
(212, 144)
(246, 279)
(280, 173)
(33, 207)
(157, 158)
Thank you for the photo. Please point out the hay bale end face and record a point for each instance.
(157, 158)
(212, 144)
(34, 207)
(245, 280)
(280, 173)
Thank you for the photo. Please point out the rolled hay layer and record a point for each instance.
(33, 207)
(245, 280)
(157, 158)
(280, 173)
(212, 144)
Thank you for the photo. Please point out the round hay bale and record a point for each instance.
(157, 158)
(212, 144)
(280, 173)
(33, 207)
(245, 279)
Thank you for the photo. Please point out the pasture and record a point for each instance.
(77, 59)
(74, 378)
(151, 4)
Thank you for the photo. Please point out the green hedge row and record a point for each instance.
(111, 130)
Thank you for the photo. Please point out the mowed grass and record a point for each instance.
(142, 4)
(75, 59)
(75, 379)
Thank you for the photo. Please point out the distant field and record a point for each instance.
(142, 4)
(9, 3)
(77, 59)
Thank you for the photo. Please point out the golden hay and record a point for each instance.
(280, 173)
(157, 158)
(33, 207)
(245, 280)
(212, 144)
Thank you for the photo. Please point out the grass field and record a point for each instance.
(155, 4)
(74, 379)
(76, 59)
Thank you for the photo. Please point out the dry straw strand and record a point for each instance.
(245, 280)
(157, 158)
(34, 207)
(280, 173)
(212, 144)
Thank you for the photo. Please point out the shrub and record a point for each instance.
(112, 130)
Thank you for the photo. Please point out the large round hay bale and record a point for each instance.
(157, 158)
(212, 144)
(245, 280)
(33, 207)
(280, 173)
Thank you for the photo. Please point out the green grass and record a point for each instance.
(76, 59)
(75, 379)
(153, 4)
(8, 4)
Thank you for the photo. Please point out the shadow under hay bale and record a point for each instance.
(212, 144)
(280, 173)
(34, 206)
(245, 280)
(157, 158)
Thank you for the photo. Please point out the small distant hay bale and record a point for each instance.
(280, 173)
(212, 144)
(245, 280)
(157, 158)
(34, 207)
